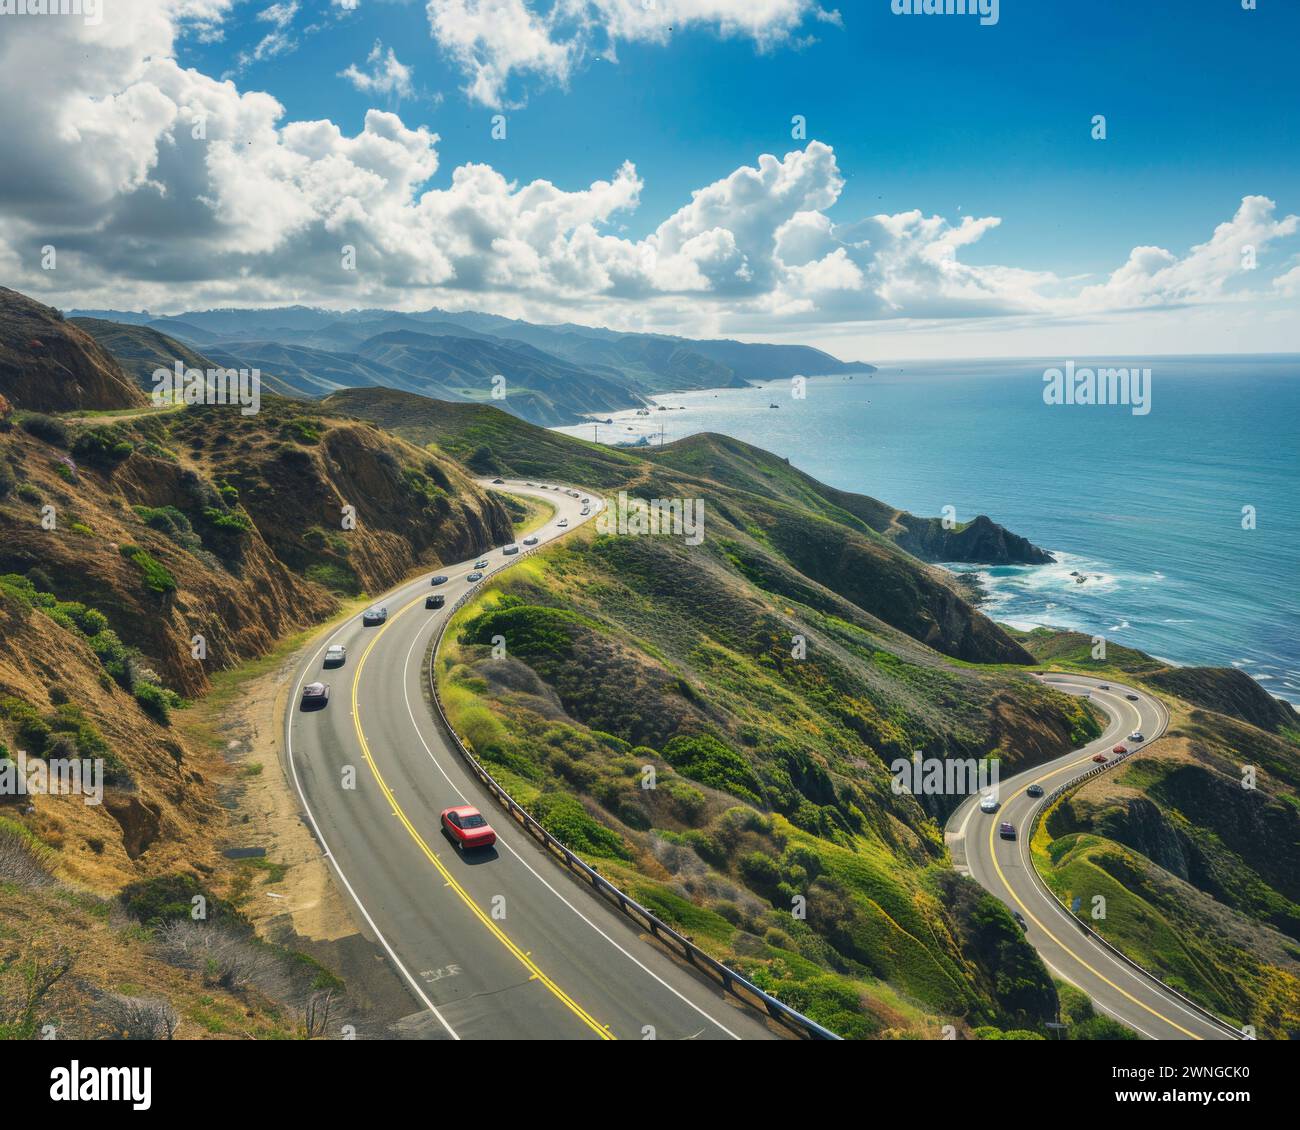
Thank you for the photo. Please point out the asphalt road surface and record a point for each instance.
(1003, 867)
(501, 944)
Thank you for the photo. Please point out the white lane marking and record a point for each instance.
(302, 796)
(631, 957)
(1096, 1003)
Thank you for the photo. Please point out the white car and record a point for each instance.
(988, 803)
(336, 655)
(562, 522)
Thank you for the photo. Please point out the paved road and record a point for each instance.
(503, 946)
(1004, 868)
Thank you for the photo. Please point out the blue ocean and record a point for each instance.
(1184, 521)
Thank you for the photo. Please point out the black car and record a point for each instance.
(1034, 790)
(498, 482)
(372, 616)
(438, 580)
(474, 577)
(315, 696)
(1020, 919)
(1131, 697)
(434, 600)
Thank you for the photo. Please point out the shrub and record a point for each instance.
(170, 898)
(705, 759)
(563, 815)
(156, 701)
(156, 576)
(104, 447)
(45, 427)
(30, 729)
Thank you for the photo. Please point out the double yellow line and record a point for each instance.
(993, 855)
(523, 958)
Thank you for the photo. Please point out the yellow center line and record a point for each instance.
(998, 868)
(523, 958)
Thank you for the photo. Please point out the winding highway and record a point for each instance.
(1003, 867)
(499, 944)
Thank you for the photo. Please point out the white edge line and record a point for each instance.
(631, 957)
(293, 769)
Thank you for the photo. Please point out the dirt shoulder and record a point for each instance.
(285, 886)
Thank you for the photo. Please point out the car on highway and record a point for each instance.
(586, 502)
(438, 580)
(510, 549)
(480, 564)
(1121, 748)
(372, 616)
(1034, 790)
(467, 828)
(562, 522)
(585, 511)
(1131, 697)
(498, 482)
(1103, 686)
(530, 540)
(434, 600)
(528, 484)
(1099, 758)
(315, 696)
(988, 803)
(1020, 919)
(474, 577)
(1007, 831)
(336, 655)
(1137, 736)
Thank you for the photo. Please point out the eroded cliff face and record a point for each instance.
(117, 551)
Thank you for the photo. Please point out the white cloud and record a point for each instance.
(386, 74)
(493, 40)
(107, 168)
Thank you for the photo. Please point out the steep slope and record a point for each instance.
(141, 349)
(50, 365)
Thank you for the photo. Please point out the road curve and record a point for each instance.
(1004, 868)
(504, 946)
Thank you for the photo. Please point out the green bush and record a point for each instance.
(31, 731)
(563, 815)
(104, 447)
(158, 702)
(170, 898)
(156, 576)
(46, 427)
(705, 759)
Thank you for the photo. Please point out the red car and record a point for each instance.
(1120, 749)
(1100, 758)
(467, 827)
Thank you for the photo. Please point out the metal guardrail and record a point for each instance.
(680, 945)
(1037, 817)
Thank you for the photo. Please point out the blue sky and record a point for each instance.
(931, 114)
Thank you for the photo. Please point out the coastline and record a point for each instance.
(1146, 584)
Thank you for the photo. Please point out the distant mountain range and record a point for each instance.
(554, 374)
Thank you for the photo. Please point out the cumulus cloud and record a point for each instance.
(493, 40)
(163, 187)
(385, 76)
